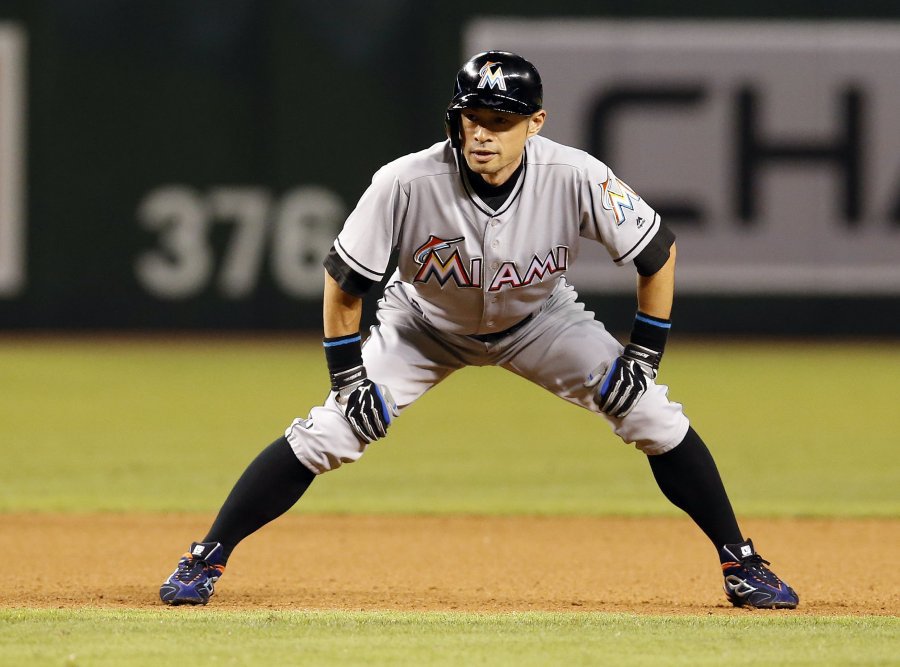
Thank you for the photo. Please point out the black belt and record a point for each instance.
(499, 335)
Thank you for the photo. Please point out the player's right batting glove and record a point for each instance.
(367, 406)
(623, 382)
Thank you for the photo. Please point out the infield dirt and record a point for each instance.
(465, 563)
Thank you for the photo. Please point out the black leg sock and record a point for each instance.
(688, 477)
(269, 487)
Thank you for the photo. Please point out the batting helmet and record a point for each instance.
(495, 80)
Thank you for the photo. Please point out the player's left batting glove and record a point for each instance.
(367, 406)
(624, 381)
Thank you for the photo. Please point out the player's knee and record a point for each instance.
(324, 441)
(655, 425)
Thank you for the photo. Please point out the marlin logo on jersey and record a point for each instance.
(507, 274)
(492, 78)
(433, 244)
(614, 200)
(432, 264)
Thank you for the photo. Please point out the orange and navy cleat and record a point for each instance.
(749, 583)
(193, 580)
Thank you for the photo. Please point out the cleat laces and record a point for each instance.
(187, 569)
(756, 565)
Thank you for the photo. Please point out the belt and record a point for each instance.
(499, 335)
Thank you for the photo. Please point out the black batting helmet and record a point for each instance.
(495, 80)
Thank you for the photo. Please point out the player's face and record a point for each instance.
(493, 141)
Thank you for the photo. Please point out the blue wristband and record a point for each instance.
(343, 352)
(651, 332)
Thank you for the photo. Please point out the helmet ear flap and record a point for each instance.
(452, 125)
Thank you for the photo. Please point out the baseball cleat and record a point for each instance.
(749, 583)
(193, 580)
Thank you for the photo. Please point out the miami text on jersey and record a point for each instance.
(613, 200)
(506, 275)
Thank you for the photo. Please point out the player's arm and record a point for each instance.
(357, 262)
(341, 311)
(368, 407)
(622, 383)
(655, 292)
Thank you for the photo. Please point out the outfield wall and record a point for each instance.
(187, 164)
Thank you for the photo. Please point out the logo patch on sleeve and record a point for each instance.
(618, 197)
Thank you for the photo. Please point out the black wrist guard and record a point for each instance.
(650, 332)
(344, 357)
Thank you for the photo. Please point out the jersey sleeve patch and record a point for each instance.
(619, 199)
(622, 221)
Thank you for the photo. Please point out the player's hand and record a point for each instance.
(624, 381)
(369, 408)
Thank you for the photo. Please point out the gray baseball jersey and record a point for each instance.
(465, 271)
(475, 270)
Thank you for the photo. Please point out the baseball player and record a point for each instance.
(485, 226)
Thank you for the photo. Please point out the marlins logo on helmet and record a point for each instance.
(492, 78)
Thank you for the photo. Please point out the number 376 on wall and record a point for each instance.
(294, 231)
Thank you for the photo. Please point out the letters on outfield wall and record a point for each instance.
(772, 149)
(12, 167)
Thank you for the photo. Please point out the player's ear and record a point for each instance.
(536, 122)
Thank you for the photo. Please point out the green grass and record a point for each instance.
(142, 425)
(120, 425)
(199, 636)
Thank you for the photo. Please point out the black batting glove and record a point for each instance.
(368, 407)
(622, 382)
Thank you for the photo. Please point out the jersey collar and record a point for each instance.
(476, 200)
